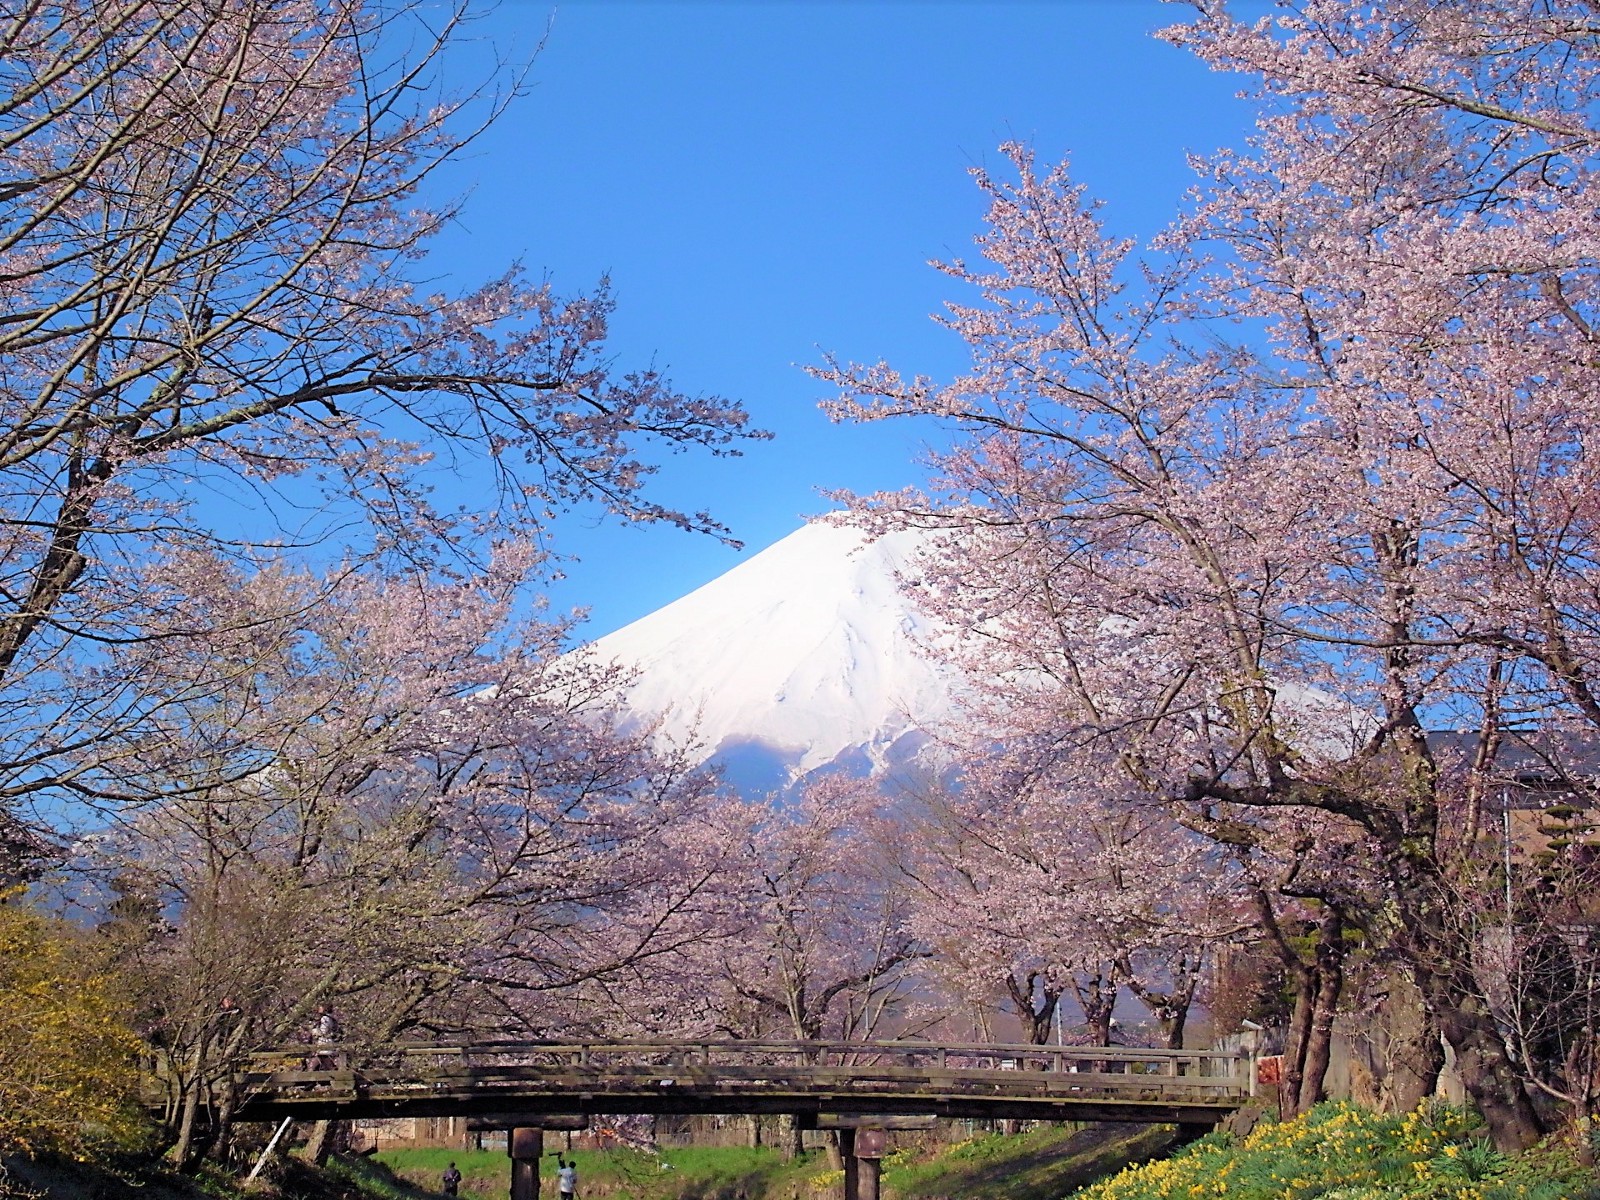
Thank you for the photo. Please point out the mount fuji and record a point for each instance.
(805, 657)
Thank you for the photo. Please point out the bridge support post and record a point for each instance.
(867, 1178)
(526, 1147)
(870, 1145)
(861, 1149)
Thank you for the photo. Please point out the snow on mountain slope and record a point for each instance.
(802, 656)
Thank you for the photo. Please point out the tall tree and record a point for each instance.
(1374, 499)
(823, 948)
(217, 329)
(390, 797)
(1043, 887)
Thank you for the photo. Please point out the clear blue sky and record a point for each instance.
(765, 181)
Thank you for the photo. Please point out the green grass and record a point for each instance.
(689, 1173)
(1044, 1164)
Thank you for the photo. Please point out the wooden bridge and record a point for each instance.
(806, 1079)
(857, 1088)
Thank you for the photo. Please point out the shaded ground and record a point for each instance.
(289, 1179)
(1042, 1165)
(65, 1180)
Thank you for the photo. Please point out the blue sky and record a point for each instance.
(767, 181)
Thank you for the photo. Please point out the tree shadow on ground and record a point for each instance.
(1050, 1171)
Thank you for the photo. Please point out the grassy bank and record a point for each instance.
(689, 1173)
(1337, 1152)
(1043, 1164)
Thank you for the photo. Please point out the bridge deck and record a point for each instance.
(804, 1078)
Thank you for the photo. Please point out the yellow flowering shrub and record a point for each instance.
(1341, 1152)
(67, 1058)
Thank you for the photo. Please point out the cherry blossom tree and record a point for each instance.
(1040, 887)
(1319, 452)
(390, 797)
(821, 949)
(217, 329)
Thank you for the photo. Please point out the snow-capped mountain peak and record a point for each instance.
(805, 655)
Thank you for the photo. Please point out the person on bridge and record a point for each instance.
(566, 1179)
(451, 1180)
(325, 1033)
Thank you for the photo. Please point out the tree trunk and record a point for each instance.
(183, 1150)
(217, 1144)
(791, 1137)
(1035, 1015)
(1308, 1047)
(1413, 1055)
(1173, 1029)
(320, 1144)
(1442, 959)
(1098, 1000)
(1330, 982)
(1487, 1072)
(1298, 1038)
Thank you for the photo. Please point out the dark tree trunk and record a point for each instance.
(1169, 1008)
(1442, 959)
(1291, 1079)
(1098, 999)
(1175, 1027)
(321, 1142)
(1035, 1004)
(1413, 1055)
(1330, 983)
(217, 1144)
(183, 1153)
(1487, 1072)
(1309, 1046)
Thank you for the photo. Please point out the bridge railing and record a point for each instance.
(1225, 1069)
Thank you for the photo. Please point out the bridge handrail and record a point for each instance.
(981, 1056)
(699, 1074)
(775, 1045)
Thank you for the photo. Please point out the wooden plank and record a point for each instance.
(869, 1121)
(483, 1122)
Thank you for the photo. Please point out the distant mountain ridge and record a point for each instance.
(805, 657)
